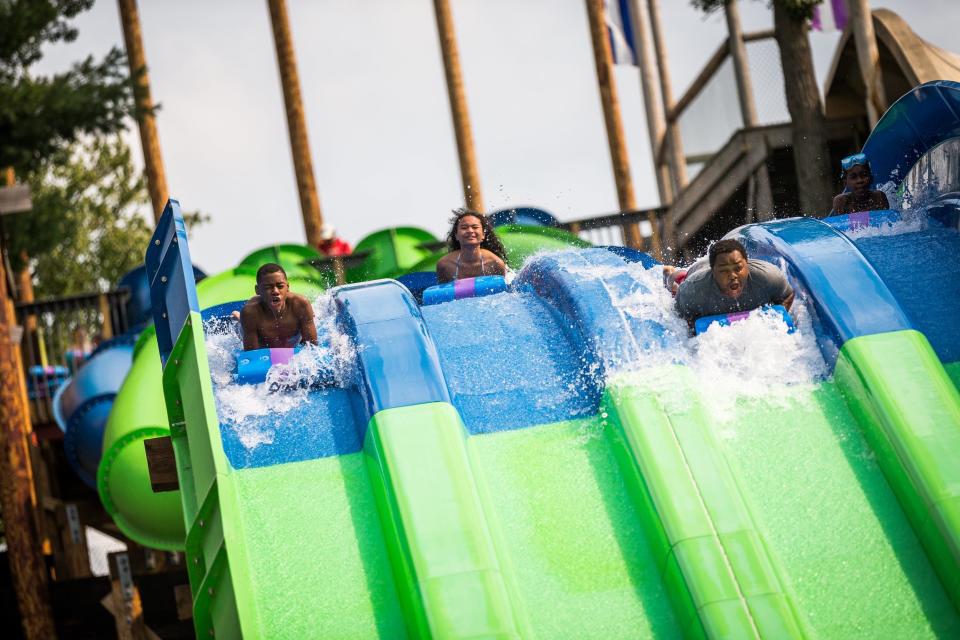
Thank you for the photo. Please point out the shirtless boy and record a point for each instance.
(276, 317)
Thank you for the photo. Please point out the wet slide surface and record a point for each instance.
(572, 536)
(503, 499)
(851, 557)
(556, 498)
(922, 270)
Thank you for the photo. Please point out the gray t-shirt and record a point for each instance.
(700, 296)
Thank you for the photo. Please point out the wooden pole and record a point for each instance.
(656, 120)
(296, 122)
(748, 108)
(17, 499)
(674, 148)
(23, 549)
(868, 57)
(469, 173)
(603, 59)
(149, 139)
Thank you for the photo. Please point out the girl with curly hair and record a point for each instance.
(474, 248)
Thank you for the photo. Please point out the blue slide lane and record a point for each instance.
(848, 295)
(922, 270)
(921, 119)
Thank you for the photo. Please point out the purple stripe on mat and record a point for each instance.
(280, 356)
(859, 220)
(465, 288)
(740, 315)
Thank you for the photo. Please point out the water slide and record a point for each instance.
(116, 401)
(560, 461)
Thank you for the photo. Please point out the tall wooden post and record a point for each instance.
(656, 120)
(149, 140)
(296, 122)
(868, 57)
(603, 59)
(23, 549)
(748, 109)
(674, 145)
(469, 173)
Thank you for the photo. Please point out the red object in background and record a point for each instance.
(335, 247)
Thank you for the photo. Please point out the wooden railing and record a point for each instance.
(59, 335)
(615, 228)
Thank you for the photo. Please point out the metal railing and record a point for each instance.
(59, 335)
(709, 112)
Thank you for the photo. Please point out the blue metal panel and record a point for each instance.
(173, 292)
(847, 294)
(921, 119)
(138, 305)
(396, 356)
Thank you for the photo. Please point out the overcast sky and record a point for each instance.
(377, 112)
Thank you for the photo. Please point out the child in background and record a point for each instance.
(857, 177)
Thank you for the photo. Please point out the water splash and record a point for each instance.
(255, 411)
(756, 359)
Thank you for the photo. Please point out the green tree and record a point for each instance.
(88, 225)
(811, 155)
(40, 115)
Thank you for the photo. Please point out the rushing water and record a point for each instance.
(254, 412)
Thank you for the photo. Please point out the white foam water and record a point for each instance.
(245, 406)
(755, 359)
(911, 220)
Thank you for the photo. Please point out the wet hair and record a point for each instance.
(490, 240)
(725, 246)
(268, 268)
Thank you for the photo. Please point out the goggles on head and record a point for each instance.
(851, 161)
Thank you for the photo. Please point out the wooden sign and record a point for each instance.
(15, 199)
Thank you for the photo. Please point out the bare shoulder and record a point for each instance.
(445, 267)
(840, 203)
(251, 307)
(491, 255)
(300, 304)
(448, 259)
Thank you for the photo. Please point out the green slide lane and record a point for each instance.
(953, 370)
(652, 519)
(837, 539)
(123, 481)
(570, 533)
(910, 412)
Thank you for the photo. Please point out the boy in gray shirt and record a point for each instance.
(732, 283)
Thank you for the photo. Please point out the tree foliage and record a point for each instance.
(797, 9)
(61, 134)
(87, 227)
(41, 115)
